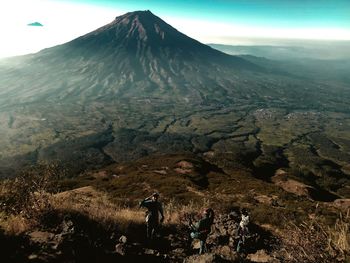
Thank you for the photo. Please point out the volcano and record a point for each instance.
(136, 55)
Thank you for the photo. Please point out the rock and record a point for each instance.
(68, 227)
(226, 252)
(343, 204)
(262, 256)
(196, 244)
(184, 165)
(209, 154)
(123, 239)
(32, 256)
(149, 251)
(120, 249)
(182, 171)
(205, 258)
(41, 237)
(178, 251)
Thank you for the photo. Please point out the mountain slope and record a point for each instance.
(138, 54)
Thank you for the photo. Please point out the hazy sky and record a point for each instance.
(209, 21)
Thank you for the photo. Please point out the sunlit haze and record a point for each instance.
(65, 20)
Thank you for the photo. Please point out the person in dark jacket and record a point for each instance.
(154, 209)
(202, 229)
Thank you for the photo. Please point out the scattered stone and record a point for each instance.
(182, 171)
(226, 252)
(41, 237)
(179, 251)
(120, 249)
(205, 258)
(184, 165)
(67, 227)
(149, 251)
(32, 256)
(196, 244)
(262, 256)
(209, 154)
(343, 204)
(123, 239)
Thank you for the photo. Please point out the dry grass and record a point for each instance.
(311, 242)
(176, 213)
(27, 193)
(96, 206)
(15, 224)
(339, 235)
(305, 243)
(26, 199)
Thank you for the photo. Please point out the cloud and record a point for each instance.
(35, 24)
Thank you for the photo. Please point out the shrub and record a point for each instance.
(28, 194)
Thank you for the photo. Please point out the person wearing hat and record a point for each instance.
(154, 209)
(202, 229)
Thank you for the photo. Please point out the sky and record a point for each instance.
(27, 26)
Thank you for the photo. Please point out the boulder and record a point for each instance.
(205, 258)
(41, 237)
(120, 249)
(227, 253)
(123, 239)
(343, 204)
(262, 256)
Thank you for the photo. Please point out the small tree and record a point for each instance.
(29, 193)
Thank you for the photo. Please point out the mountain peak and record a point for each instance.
(138, 12)
(144, 38)
(145, 14)
(143, 25)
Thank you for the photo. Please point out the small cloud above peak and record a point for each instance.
(35, 24)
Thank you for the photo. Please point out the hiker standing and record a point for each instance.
(202, 229)
(154, 208)
(243, 229)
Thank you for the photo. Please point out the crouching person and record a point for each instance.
(202, 228)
